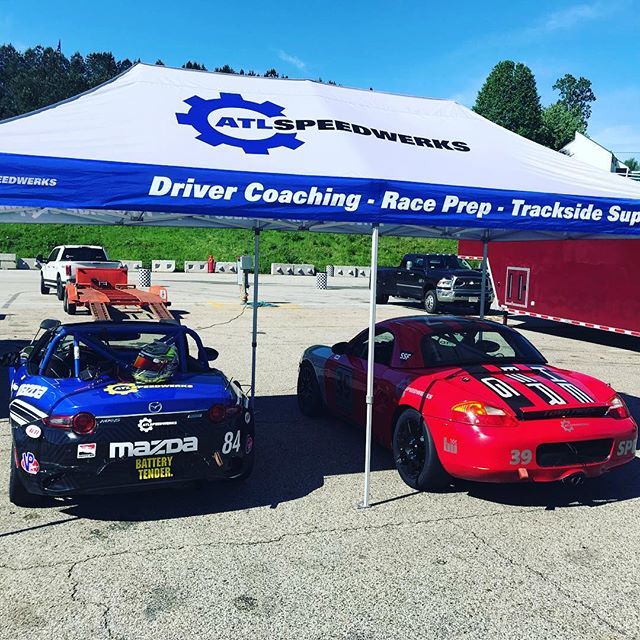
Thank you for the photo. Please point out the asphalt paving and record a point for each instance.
(288, 554)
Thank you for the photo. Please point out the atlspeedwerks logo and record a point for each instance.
(257, 127)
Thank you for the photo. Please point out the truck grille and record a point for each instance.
(563, 454)
(467, 283)
(577, 412)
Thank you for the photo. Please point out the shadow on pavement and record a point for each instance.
(616, 486)
(294, 454)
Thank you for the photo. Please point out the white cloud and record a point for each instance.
(291, 59)
(572, 16)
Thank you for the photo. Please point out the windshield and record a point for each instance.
(476, 345)
(84, 254)
(126, 346)
(453, 262)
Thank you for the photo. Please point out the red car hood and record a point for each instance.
(528, 391)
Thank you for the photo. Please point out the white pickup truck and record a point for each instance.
(60, 267)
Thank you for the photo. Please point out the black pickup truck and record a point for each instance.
(434, 278)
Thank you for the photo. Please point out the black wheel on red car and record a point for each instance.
(415, 454)
(69, 307)
(60, 289)
(431, 304)
(308, 391)
(44, 290)
(18, 495)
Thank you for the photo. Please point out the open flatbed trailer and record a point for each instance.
(105, 291)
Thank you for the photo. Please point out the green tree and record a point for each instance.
(633, 164)
(576, 95)
(560, 125)
(509, 97)
(194, 65)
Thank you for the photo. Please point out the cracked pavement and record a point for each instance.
(287, 554)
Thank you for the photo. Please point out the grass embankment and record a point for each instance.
(180, 244)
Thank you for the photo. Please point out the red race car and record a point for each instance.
(471, 399)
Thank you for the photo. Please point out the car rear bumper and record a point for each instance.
(536, 451)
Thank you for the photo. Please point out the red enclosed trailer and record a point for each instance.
(590, 283)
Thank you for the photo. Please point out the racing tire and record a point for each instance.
(44, 290)
(68, 307)
(18, 495)
(382, 298)
(308, 392)
(246, 473)
(60, 289)
(415, 455)
(431, 304)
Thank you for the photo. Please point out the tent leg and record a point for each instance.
(372, 333)
(483, 286)
(254, 328)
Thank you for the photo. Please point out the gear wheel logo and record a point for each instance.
(201, 109)
(145, 424)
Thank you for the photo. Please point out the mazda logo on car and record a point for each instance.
(155, 407)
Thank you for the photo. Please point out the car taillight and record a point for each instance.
(220, 412)
(479, 413)
(81, 423)
(67, 270)
(617, 408)
(217, 413)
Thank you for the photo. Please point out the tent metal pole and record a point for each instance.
(254, 328)
(370, 355)
(483, 285)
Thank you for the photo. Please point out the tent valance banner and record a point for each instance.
(157, 141)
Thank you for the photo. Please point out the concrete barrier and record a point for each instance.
(226, 267)
(132, 265)
(282, 269)
(7, 264)
(345, 271)
(163, 266)
(27, 263)
(304, 270)
(7, 257)
(195, 266)
(363, 272)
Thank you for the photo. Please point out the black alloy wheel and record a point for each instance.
(308, 391)
(415, 455)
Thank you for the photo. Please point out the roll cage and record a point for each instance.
(83, 335)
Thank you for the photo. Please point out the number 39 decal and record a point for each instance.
(520, 456)
(231, 442)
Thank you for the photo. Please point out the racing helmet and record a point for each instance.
(156, 362)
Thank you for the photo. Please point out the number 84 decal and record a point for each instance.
(231, 442)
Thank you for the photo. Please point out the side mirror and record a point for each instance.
(40, 259)
(409, 265)
(49, 324)
(340, 348)
(211, 354)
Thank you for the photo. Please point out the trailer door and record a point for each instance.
(517, 286)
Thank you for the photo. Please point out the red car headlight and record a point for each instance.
(482, 414)
(617, 408)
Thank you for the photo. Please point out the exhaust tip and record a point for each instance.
(574, 480)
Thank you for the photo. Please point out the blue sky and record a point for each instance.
(439, 49)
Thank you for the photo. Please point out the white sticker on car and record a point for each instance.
(31, 391)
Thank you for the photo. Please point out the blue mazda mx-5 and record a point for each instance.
(102, 406)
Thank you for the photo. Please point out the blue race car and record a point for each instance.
(102, 406)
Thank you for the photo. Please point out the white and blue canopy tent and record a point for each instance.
(173, 147)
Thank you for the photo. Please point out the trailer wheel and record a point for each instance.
(382, 298)
(431, 304)
(44, 290)
(68, 307)
(59, 289)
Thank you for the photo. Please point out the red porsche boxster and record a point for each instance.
(472, 399)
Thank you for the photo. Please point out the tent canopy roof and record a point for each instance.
(177, 147)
